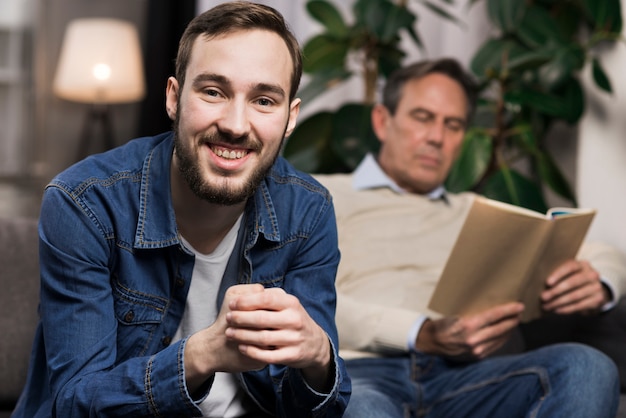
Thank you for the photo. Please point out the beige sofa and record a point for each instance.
(19, 294)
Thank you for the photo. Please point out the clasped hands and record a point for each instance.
(256, 327)
(573, 288)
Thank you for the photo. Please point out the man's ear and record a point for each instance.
(294, 110)
(171, 97)
(380, 117)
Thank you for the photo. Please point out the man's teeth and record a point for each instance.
(230, 155)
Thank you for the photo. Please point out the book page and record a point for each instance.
(490, 260)
(568, 233)
(510, 208)
(503, 254)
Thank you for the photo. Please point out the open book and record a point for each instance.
(504, 253)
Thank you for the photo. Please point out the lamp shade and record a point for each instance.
(100, 62)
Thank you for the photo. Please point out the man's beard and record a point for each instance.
(221, 194)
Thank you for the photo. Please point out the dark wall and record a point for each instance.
(165, 24)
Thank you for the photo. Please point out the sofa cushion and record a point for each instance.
(19, 281)
(606, 332)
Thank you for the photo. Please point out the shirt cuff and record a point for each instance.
(611, 303)
(414, 331)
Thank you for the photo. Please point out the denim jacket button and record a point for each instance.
(130, 315)
(167, 340)
(180, 282)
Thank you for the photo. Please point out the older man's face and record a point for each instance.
(423, 138)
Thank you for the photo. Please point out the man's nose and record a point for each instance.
(235, 120)
(436, 132)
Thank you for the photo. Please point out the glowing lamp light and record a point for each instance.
(101, 71)
(100, 62)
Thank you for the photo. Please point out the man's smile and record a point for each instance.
(229, 154)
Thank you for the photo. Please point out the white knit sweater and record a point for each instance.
(393, 250)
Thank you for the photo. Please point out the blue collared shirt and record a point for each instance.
(369, 175)
(115, 277)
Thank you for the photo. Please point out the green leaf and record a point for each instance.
(565, 61)
(443, 13)
(510, 186)
(352, 136)
(567, 104)
(567, 17)
(383, 18)
(412, 31)
(536, 28)
(323, 52)
(389, 60)
(606, 15)
(485, 113)
(320, 82)
(600, 77)
(308, 147)
(472, 162)
(551, 175)
(496, 55)
(523, 137)
(397, 19)
(325, 13)
(523, 60)
(573, 99)
(541, 102)
(506, 14)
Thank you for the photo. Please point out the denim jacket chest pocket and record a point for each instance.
(139, 316)
(269, 262)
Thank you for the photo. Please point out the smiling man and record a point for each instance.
(192, 273)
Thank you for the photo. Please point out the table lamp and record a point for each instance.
(100, 64)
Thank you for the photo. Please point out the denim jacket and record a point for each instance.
(115, 276)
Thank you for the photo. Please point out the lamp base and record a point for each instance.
(98, 116)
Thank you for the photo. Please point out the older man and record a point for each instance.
(397, 225)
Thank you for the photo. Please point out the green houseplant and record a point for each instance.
(370, 45)
(528, 73)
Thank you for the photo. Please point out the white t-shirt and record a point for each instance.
(226, 398)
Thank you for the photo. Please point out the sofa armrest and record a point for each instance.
(19, 298)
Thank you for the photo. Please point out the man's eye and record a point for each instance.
(422, 117)
(264, 102)
(212, 92)
(455, 126)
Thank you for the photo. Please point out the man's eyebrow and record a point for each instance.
(222, 80)
(204, 77)
(270, 88)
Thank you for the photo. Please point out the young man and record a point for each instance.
(192, 273)
(397, 226)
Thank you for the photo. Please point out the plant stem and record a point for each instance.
(370, 71)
